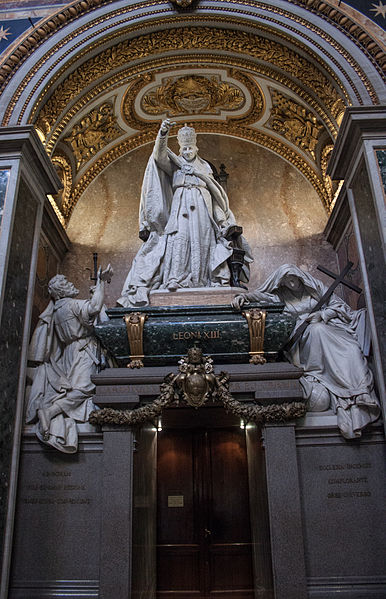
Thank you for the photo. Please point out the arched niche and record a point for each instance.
(282, 215)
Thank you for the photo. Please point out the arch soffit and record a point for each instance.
(260, 52)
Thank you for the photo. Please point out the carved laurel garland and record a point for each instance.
(169, 395)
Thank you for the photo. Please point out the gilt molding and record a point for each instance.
(354, 31)
(138, 75)
(200, 38)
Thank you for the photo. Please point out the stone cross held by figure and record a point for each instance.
(338, 278)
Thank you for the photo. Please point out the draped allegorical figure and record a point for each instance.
(185, 215)
(336, 373)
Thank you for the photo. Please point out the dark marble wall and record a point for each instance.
(11, 330)
(282, 215)
(47, 267)
(342, 497)
(348, 251)
(259, 512)
(373, 251)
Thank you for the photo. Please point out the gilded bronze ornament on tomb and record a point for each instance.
(192, 94)
(135, 322)
(294, 122)
(196, 383)
(196, 378)
(94, 131)
(256, 325)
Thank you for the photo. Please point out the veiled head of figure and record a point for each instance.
(59, 287)
(187, 140)
(292, 282)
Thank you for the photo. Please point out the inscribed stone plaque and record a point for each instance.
(343, 494)
(57, 533)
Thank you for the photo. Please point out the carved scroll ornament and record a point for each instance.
(135, 321)
(256, 324)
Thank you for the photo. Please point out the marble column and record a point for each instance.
(359, 158)
(116, 525)
(285, 516)
(26, 177)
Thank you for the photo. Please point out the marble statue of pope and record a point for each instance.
(185, 216)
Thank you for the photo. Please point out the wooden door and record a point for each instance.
(204, 545)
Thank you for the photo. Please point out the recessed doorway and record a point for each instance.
(205, 543)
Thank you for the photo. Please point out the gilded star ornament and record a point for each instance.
(4, 33)
(379, 9)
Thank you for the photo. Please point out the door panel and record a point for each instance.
(230, 546)
(204, 539)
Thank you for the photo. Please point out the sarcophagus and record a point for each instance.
(161, 335)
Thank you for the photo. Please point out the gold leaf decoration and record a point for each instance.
(295, 123)
(94, 131)
(192, 94)
(188, 38)
(64, 171)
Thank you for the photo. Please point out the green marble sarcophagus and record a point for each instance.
(161, 335)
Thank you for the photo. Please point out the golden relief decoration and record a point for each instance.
(324, 160)
(64, 171)
(192, 94)
(295, 123)
(139, 79)
(182, 3)
(248, 105)
(94, 131)
(185, 39)
(371, 46)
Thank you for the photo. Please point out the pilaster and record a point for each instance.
(358, 158)
(27, 177)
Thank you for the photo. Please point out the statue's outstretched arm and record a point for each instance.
(160, 151)
(96, 302)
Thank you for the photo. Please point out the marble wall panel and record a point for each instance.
(11, 330)
(282, 215)
(144, 565)
(342, 494)
(58, 513)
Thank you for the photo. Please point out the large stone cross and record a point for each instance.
(338, 278)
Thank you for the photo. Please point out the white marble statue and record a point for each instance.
(64, 353)
(185, 214)
(336, 372)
